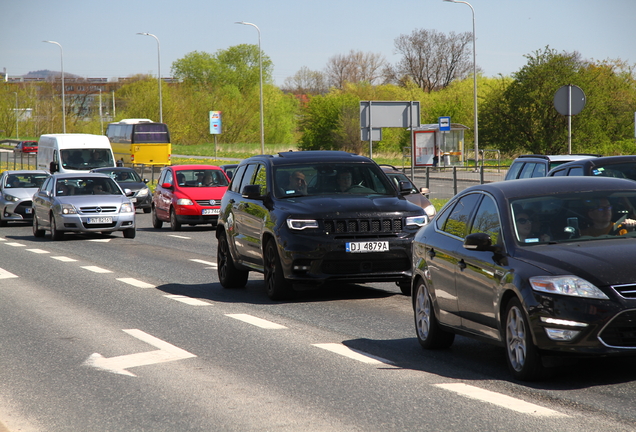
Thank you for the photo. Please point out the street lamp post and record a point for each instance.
(474, 81)
(158, 73)
(260, 68)
(63, 100)
(17, 130)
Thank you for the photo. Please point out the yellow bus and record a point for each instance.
(140, 142)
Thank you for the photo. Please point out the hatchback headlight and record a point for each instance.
(68, 209)
(567, 285)
(127, 208)
(417, 220)
(301, 224)
(8, 197)
(184, 201)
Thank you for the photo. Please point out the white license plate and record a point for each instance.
(370, 246)
(211, 211)
(100, 220)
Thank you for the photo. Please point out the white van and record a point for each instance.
(69, 153)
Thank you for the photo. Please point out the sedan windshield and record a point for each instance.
(330, 179)
(574, 217)
(86, 186)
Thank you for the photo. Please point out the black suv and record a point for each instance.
(607, 166)
(534, 165)
(306, 218)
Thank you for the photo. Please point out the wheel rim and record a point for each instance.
(423, 312)
(223, 257)
(270, 268)
(516, 343)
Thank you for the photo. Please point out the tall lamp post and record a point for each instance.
(17, 130)
(158, 73)
(63, 101)
(474, 81)
(260, 68)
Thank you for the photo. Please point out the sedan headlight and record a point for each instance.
(143, 192)
(566, 285)
(417, 220)
(68, 209)
(301, 224)
(127, 208)
(8, 197)
(184, 201)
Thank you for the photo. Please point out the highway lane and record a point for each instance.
(344, 358)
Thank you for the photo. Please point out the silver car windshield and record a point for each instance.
(86, 186)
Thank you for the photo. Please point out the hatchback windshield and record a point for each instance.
(574, 216)
(201, 178)
(329, 179)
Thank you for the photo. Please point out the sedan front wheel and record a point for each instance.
(429, 334)
(524, 360)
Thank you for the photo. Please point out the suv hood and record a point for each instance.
(346, 206)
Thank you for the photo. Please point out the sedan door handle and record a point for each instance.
(461, 264)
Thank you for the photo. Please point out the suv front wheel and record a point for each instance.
(278, 288)
(229, 275)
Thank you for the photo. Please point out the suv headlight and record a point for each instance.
(67, 209)
(301, 224)
(184, 201)
(566, 285)
(420, 220)
(127, 208)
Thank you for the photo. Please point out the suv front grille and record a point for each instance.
(621, 331)
(362, 226)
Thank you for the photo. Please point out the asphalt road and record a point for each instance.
(102, 333)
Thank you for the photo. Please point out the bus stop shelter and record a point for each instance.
(429, 141)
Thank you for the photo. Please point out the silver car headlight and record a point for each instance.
(126, 208)
(301, 224)
(566, 285)
(68, 209)
(417, 220)
(8, 197)
(143, 192)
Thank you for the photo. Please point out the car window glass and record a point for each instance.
(559, 173)
(513, 172)
(576, 171)
(168, 178)
(527, 170)
(487, 220)
(459, 217)
(539, 170)
(48, 185)
(248, 176)
(162, 176)
(236, 179)
(261, 178)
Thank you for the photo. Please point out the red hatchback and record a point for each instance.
(188, 194)
(26, 147)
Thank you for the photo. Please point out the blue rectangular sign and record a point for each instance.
(444, 124)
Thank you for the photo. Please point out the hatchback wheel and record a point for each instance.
(524, 360)
(429, 334)
(37, 232)
(55, 233)
(229, 275)
(174, 224)
(278, 288)
(156, 223)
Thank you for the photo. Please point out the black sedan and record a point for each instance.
(543, 267)
(127, 178)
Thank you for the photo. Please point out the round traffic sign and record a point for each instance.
(569, 100)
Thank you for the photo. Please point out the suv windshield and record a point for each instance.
(574, 217)
(330, 179)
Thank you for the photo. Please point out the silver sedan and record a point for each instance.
(82, 203)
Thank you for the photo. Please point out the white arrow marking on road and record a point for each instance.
(352, 354)
(6, 275)
(119, 364)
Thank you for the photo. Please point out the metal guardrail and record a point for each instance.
(446, 182)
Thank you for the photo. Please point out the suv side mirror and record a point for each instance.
(405, 187)
(252, 192)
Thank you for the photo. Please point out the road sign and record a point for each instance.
(444, 124)
(215, 122)
(569, 100)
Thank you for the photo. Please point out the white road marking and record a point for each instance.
(106, 240)
(38, 251)
(209, 263)
(353, 354)
(15, 244)
(258, 322)
(6, 275)
(63, 259)
(167, 352)
(135, 282)
(500, 400)
(3, 239)
(187, 300)
(96, 269)
(178, 236)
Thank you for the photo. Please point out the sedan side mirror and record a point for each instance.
(479, 242)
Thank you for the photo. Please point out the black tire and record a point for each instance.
(278, 288)
(3, 223)
(37, 232)
(429, 334)
(174, 224)
(405, 287)
(56, 234)
(522, 356)
(130, 233)
(146, 210)
(229, 275)
(156, 223)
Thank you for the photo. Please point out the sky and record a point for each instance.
(99, 38)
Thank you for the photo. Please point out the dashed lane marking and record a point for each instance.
(500, 400)
(178, 236)
(38, 251)
(6, 275)
(187, 300)
(15, 244)
(96, 269)
(353, 354)
(135, 282)
(63, 259)
(208, 263)
(258, 322)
